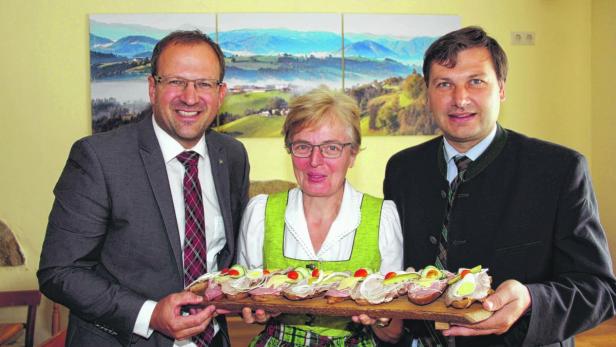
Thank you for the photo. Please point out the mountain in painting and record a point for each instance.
(101, 58)
(129, 46)
(277, 41)
(96, 41)
(246, 42)
(252, 42)
(275, 55)
(405, 50)
(360, 70)
(369, 49)
(413, 48)
(294, 69)
(116, 31)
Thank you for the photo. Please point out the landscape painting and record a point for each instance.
(272, 57)
(383, 56)
(120, 51)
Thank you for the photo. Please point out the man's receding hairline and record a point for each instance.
(191, 43)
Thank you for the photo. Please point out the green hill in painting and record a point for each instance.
(254, 114)
(366, 131)
(254, 126)
(395, 106)
(244, 104)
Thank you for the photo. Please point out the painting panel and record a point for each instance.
(270, 58)
(383, 57)
(120, 50)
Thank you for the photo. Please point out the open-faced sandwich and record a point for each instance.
(400, 279)
(209, 285)
(372, 291)
(377, 289)
(238, 287)
(315, 285)
(468, 286)
(202, 283)
(277, 282)
(343, 289)
(428, 287)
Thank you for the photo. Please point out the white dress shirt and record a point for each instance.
(338, 243)
(472, 154)
(214, 227)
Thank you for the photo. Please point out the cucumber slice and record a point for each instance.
(303, 272)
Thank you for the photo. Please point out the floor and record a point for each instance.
(602, 336)
(240, 332)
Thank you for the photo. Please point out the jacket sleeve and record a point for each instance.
(245, 180)
(242, 171)
(70, 271)
(388, 181)
(581, 292)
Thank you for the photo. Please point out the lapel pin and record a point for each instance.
(220, 161)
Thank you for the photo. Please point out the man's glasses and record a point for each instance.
(179, 84)
(330, 150)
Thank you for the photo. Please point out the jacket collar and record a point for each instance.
(484, 160)
(154, 165)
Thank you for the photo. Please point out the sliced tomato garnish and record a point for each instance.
(293, 275)
(315, 273)
(361, 273)
(464, 273)
(224, 271)
(266, 272)
(390, 275)
(233, 272)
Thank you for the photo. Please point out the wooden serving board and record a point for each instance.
(397, 308)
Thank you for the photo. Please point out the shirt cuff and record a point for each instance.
(142, 325)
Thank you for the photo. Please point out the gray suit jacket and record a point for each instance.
(112, 240)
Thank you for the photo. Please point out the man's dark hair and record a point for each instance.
(444, 51)
(189, 37)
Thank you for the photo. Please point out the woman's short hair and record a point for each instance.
(322, 105)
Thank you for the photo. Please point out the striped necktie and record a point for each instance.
(195, 250)
(462, 163)
(435, 338)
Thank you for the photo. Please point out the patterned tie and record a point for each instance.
(435, 338)
(195, 261)
(462, 163)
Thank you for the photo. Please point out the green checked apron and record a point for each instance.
(309, 330)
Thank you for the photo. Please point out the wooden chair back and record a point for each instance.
(30, 298)
(57, 340)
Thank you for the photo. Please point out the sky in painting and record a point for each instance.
(400, 26)
(159, 22)
(296, 21)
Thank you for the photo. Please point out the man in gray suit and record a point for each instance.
(115, 252)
